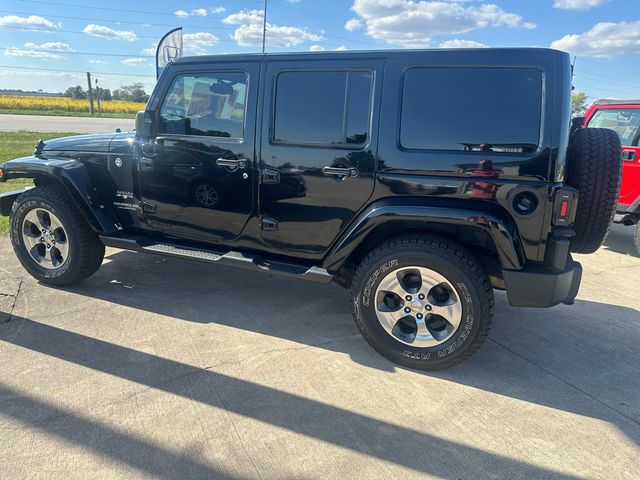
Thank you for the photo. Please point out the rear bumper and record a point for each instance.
(538, 286)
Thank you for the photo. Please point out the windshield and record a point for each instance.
(625, 121)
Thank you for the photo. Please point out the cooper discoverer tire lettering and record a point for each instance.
(422, 301)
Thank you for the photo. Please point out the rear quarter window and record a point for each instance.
(471, 109)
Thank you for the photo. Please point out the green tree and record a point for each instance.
(105, 93)
(133, 93)
(75, 92)
(578, 103)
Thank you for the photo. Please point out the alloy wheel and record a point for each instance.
(45, 238)
(418, 306)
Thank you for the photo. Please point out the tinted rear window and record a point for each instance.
(471, 109)
(322, 107)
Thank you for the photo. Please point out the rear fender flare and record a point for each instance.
(500, 229)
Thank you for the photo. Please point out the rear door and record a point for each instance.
(626, 122)
(318, 150)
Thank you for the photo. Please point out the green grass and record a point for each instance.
(19, 144)
(64, 113)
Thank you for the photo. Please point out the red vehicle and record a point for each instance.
(623, 116)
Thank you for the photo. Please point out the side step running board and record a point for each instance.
(231, 258)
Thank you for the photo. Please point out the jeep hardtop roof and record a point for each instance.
(528, 54)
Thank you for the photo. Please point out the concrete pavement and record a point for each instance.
(156, 368)
(50, 123)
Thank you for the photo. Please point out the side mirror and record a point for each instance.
(144, 124)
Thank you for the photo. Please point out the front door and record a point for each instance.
(318, 150)
(197, 175)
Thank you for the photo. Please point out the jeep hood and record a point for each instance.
(98, 143)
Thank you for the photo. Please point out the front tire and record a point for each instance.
(636, 238)
(422, 301)
(51, 238)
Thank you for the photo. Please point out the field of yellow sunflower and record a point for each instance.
(16, 103)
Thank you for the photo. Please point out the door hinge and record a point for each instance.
(270, 177)
(268, 224)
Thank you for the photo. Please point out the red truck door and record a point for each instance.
(625, 120)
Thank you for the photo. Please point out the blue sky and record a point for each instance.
(53, 42)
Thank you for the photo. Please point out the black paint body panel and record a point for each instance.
(127, 183)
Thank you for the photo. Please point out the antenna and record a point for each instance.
(264, 26)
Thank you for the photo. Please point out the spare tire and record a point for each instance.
(594, 168)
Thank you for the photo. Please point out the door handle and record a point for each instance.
(628, 155)
(340, 172)
(231, 162)
(145, 163)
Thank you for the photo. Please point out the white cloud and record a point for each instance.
(135, 62)
(249, 31)
(32, 22)
(353, 24)
(57, 46)
(293, 1)
(316, 48)
(605, 39)
(413, 23)
(106, 32)
(195, 43)
(23, 52)
(341, 48)
(196, 12)
(456, 43)
(578, 4)
(95, 61)
(148, 51)
(243, 17)
(218, 9)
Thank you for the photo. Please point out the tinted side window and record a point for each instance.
(473, 109)
(210, 104)
(322, 107)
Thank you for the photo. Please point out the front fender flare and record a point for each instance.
(500, 229)
(73, 176)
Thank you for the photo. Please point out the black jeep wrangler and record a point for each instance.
(422, 180)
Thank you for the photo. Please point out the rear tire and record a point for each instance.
(52, 239)
(594, 168)
(422, 301)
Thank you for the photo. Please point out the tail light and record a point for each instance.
(564, 207)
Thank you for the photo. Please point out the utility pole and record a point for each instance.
(98, 97)
(90, 93)
(264, 26)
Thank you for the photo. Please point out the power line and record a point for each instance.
(108, 9)
(90, 19)
(610, 79)
(94, 54)
(291, 7)
(31, 29)
(77, 71)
